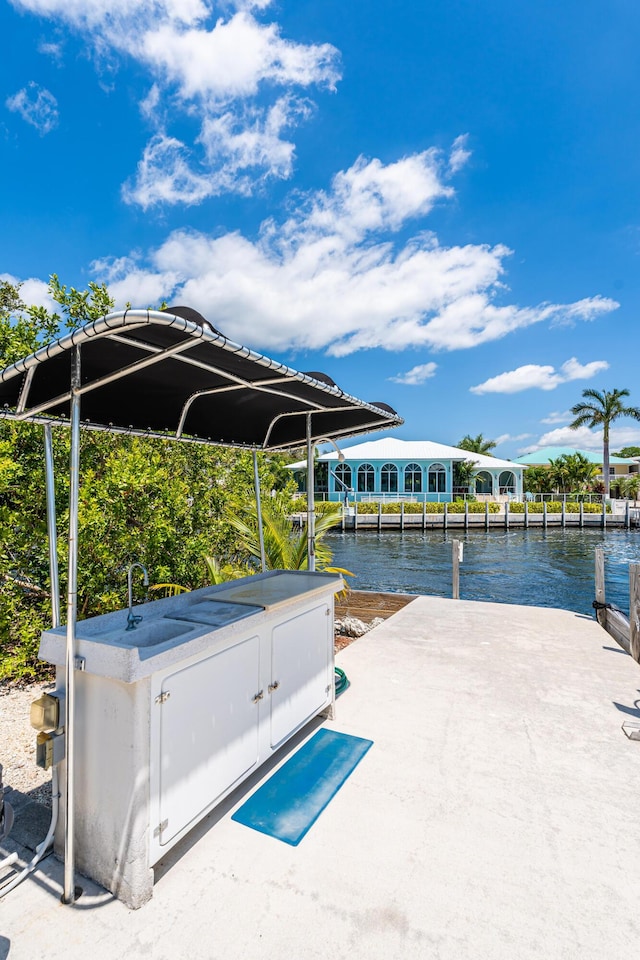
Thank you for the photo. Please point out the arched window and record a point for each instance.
(389, 478)
(366, 478)
(484, 482)
(437, 478)
(343, 474)
(507, 482)
(413, 478)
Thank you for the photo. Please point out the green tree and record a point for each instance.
(601, 409)
(627, 452)
(538, 480)
(464, 473)
(140, 499)
(630, 487)
(284, 547)
(477, 445)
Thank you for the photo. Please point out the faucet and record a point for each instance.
(132, 620)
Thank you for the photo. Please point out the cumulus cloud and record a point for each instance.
(214, 63)
(333, 276)
(37, 106)
(585, 439)
(541, 377)
(416, 375)
(33, 292)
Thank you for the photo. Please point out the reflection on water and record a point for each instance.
(545, 568)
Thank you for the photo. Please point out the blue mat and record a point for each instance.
(292, 799)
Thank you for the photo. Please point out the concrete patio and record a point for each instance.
(494, 817)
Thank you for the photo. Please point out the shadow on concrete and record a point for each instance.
(5, 946)
(237, 796)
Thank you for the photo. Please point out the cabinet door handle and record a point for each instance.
(259, 696)
(273, 686)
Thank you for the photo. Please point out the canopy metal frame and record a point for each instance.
(178, 351)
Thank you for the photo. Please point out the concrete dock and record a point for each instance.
(494, 818)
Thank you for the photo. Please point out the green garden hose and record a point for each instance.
(342, 681)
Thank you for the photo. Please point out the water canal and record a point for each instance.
(546, 568)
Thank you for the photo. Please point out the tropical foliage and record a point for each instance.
(165, 504)
(477, 445)
(601, 409)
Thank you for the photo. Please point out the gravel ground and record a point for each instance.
(18, 743)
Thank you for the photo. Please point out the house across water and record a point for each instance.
(419, 470)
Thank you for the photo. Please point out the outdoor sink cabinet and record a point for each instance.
(173, 715)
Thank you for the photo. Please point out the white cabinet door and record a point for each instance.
(300, 670)
(208, 732)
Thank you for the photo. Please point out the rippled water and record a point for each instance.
(546, 568)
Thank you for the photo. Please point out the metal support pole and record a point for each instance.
(256, 481)
(72, 607)
(311, 507)
(54, 579)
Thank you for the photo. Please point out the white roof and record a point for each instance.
(390, 449)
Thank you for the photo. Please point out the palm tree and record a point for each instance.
(630, 487)
(477, 445)
(285, 548)
(600, 409)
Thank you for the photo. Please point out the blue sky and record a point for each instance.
(434, 201)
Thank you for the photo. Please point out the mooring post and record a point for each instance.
(564, 513)
(424, 514)
(402, 514)
(445, 515)
(604, 513)
(581, 514)
(456, 555)
(626, 515)
(506, 515)
(601, 613)
(544, 514)
(466, 514)
(379, 515)
(634, 610)
(526, 514)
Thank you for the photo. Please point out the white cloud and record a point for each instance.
(33, 292)
(459, 154)
(236, 79)
(51, 49)
(507, 437)
(585, 439)
(540, 377)
(558, 417)
(37, 106)
(331, 276)
(416, 375)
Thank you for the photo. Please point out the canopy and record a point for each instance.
(166, 374)
(171, 374)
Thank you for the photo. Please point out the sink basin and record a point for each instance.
(217, 613)
(149, 633)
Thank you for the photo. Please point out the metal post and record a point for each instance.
(486, 515)
(72, 607)
(311, 507)
(256, 483)
(54, 580)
